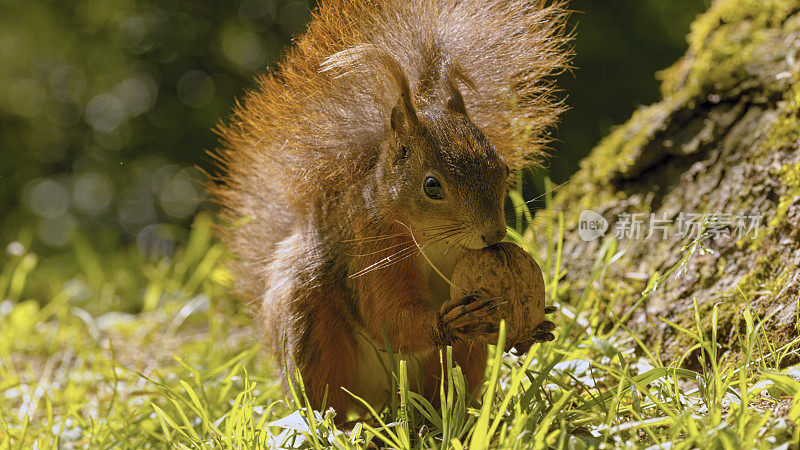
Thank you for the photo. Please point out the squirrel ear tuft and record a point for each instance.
(456, 102)
(352, 60)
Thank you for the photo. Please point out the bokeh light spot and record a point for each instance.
(179, 197)
(92, 194)
(257, 9)
(135, 33)
(15, 248)
(48, 198)
(135, 211)
(292, 17)
(195, 89)
(57, 231)
(104, 113)
(137, 93)
(67, 84)
(155, 241)
(26, 98)
(242, 48)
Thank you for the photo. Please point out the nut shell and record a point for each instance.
(507, 272)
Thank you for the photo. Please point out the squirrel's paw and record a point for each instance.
(469, 317)
(542, 333)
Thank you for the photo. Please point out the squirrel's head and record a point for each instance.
(442, 175)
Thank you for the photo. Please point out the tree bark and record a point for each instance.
(724, 140)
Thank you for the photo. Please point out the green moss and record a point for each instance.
(769, 275)
(791, 179)
(785, 133)
(721, 264)
(762, 279)
(722, 44)
(612, 157)
(735, 51)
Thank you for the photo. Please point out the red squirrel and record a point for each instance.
(381, 147)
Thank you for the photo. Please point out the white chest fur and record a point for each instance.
(374, 364)
(443, 257)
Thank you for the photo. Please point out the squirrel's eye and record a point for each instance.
(403, 152)
(433, 188)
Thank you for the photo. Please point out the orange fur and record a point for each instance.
(301, 152)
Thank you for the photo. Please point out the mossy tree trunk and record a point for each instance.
(724, 140)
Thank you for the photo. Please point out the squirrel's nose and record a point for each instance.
(494, 236)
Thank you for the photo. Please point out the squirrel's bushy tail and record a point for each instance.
(306, 133)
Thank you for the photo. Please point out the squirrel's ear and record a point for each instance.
(404, 115)
(456, 102)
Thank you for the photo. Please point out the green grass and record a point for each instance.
(101, 347)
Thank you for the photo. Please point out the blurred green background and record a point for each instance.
(107, 106)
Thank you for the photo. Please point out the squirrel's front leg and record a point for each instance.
(469, 317)
(405, 314)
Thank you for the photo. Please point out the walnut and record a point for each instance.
(505, 271)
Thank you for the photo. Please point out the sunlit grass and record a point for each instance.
(109, 349)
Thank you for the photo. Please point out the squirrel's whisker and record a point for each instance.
(457, 242)
(387, 261)
(386, 264)
(538, 197)
(375, 238)
(404, 243)
(539, 233)
(438, 227)
(444, 234)
(547, 192)
(433, 266)
(405, 253)
(367, 239)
